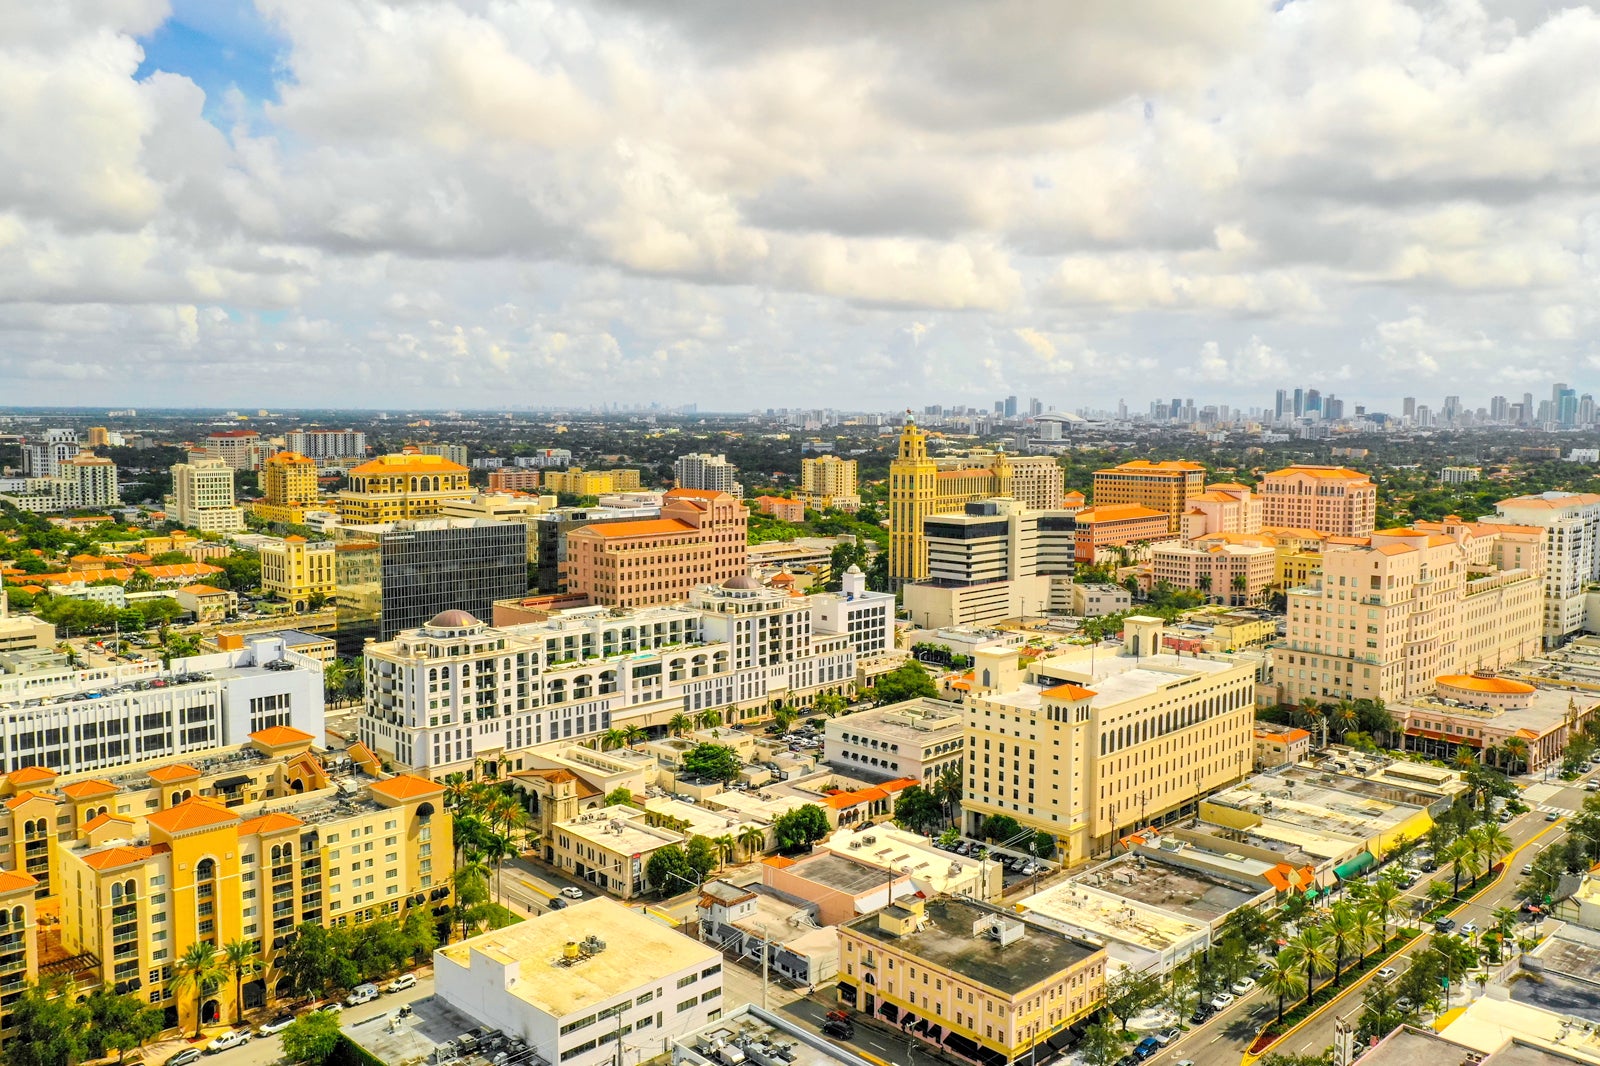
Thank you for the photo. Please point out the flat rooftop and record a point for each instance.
(1318, 803)
(432, 1022)
(839, 873)
(1408, 1047)
(914, 721)
(1547, 710)
(946, 939)
(1385, 789)
(638, 950)
(1171, 888)
(1112, 918)
(616, 829)
(1117, 678)
(749, 1025)
(1220, 838)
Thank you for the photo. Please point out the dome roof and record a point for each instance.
(1500, 686)
(452, 620)
(854, 569)
(743, 581)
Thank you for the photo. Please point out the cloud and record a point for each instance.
(456, 203)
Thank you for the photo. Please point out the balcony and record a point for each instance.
(282, 873)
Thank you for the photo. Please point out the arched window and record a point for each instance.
(205, 870)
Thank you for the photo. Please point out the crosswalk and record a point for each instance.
(1549, 808)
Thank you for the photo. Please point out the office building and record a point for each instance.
(549, 532)
(1091, 745)
(401, 487)
(709, 473)
(239, 449)
(594, 984)
(1000, 984)
(919, 739)
(1281, 745)
(1482, 712)
(43, 458)
(995, 560)
(317, 444)
(1329, 499)
(136, 891)
(446, 565)
(1116, 525)
(503, 507)
(288, 488)
(23, 632)
(828, 481)
(516, 479)
(783, 508)
(920, 486)
(1095, 600)
(580, 482)
(1391, 613)
(699, 538)
(299, 572)
(1232, 568)
(1221, 509)
(450, 453)
(1165, 486)
(1571, 522)
(202, 495)
(867, 618)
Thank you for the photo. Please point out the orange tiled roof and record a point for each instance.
(279, 735)
(1117, 512)
(359, 752)
(1500, 686)
(86, 789)
(779, 862)
(166, 775)
(273, 822)
(23, 797)
(103, 819)
(1326, 473)
(286, 458)
(30, 775)
(407, 786)
(203, 590)
(1137, 466)
(694, 494)
(196, 813)
(1577, 499)
(1290, 735)
(12, 881)
(644, 527)
(1070, 691)
(112, 858)
(409, 463)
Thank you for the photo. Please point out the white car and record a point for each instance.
(1469, 929)
(1385, 974)
(276, 1025)
(1221, 1000)
(362, 994)
(403, 982)
(1243, 985)
(572, 892)
(231, 1039)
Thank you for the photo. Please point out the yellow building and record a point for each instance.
(920, 485)
(1166, 486)
(1093, 745)
(19, 942)
(580, 482)
(137, 891)
(395, 487)
(289, 488)
(987, 983)
(829, 481)
(296, 570)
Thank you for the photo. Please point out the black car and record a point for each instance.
(1444, 925)
(556, 903)
(1202, 1014)
(842, 1030)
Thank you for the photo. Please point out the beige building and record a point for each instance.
(1092, 745)
(1277, 745)
(202, 497)
(829, 481)
(1572, 553)
(581, 482)
(988, 984)
(1166, 486)
(1231, 568)
(1330, 499)
(295, 570)
(22, 632)
(402, 486)
(1390, 614)
(1222, 509)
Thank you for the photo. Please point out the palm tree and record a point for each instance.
(496, 850)
(1371, 928)
(1310, 713)
(457, 789)
(947, 790)
(1240, 585)
(1464, 759)
(1496, 842)
(201, 968)
(1455, 853)
(1516, 750)
(635, 734)
(679, 724)
(1505, 922)
(709, 718)
(613, 738)
(1344, 716)
(1315, 948)
(239, 956)
(1385, 899)
(1283, 978)
(1343, 932)
(783, 717)
(727, 847)
(752, 840)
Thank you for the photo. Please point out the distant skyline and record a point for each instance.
(272, 203)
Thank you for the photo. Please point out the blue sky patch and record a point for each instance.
(217, 44)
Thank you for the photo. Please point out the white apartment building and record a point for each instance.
(1572, 553)
(867, 618)
(594, 984)
(918, 738)
(79, 720)
(202, 497)
(713, 473)
(777, 655)
(327, 443)
(43, 458)
(82, 482)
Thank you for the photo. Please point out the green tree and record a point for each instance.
(727, 847)
(916, 809)
(47, 1030)
(1001, 827)
(679, 724)
(752, 840)
(311, 1038)
(199, 969)
(240, 959)
(908, 681)
(701, 855)
(668, 870)
(1131, 992)
(802, 826)
(119, 1023)
(1314, 947)
(619, 797)
(712, 762)
(947, 790)
(1283, 978)
(1101, 1046)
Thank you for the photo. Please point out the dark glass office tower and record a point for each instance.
(461, 566)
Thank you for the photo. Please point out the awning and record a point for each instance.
(961, 1045)
(228, 784)
(934, 1032)
(990, 1057)
(1062, 1040)
(889, 1010)
(1346, 870)
(1311, 893)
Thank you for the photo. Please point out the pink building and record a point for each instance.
(1221, 509)
(1329, 499)
(841, 888)
(514, 479)
(782, 508)
(1231, 568)
(700, 539)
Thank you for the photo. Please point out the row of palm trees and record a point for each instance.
(490, 823)
(203, 968)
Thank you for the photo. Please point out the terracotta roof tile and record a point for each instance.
(87, 789)
(166, 775)
(644, 527)
(121, 855)
(273, 822)
(280, 735)
(407, 786)
(105, 819)
(1069, 691)
(31, 775)
(15, 881)
(23, 797)
(196, 813)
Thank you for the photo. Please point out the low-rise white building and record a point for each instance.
(574, 983)
(918, 738)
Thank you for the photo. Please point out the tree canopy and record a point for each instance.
(712, 762)
(908, 681)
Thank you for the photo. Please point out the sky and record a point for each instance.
(751, 204)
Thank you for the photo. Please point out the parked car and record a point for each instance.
(231, 1039)
(1387, 973)
(1405, 1006)
(331, 1008)
(362, 994)
(556, 904)
(1167, 1036)
(1029, 869)
(1444, 925)
(403, 982)
(276, 1025)
(1261, 971)
(1202, 1014)
(1243, 985)
(842, 1030)
(572, 892)
(1146, 1047)
(184, 1057)
(1221, 999)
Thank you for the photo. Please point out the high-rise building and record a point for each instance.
(240, 449)
(1165, 486)
(1499, 409)
(1231, 568)
(288, 487)
(43, 458)
(1572, 553)
(1299, 402)
(1011, 407)
(867, 618)
(920, 485)
(1225, 508)
(1329, 499)
(299, 572)
(991, 561)
(437, 565)
(1391, 613)
(1280, 405)
(394, 488)
(87, 481)
(700, 537)
(327, 443)
(202, 494)
(710, 473)
(1114, 741)
(1408, 407)
(829, 481)
(455, 453)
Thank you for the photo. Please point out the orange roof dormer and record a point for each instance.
(406, 787)
(82, 790)
(280, 736)
(190, 816)
(171, 775)
(31, 775)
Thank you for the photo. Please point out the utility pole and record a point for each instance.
(766, 955)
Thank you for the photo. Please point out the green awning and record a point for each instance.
(1345, 871)
(1311, 893)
